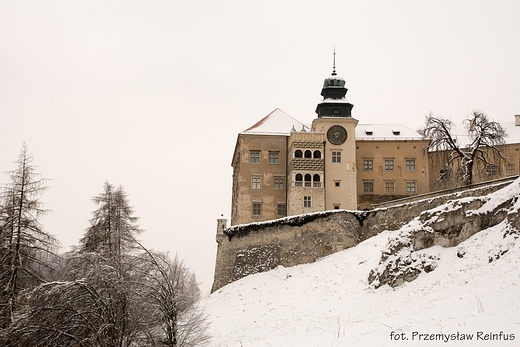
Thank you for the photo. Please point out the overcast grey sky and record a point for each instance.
(151, 94)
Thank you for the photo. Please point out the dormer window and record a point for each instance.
(369, 132)
(396, 132)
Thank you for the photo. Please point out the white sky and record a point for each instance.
(151, 94)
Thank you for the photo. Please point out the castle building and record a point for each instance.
(283, 167)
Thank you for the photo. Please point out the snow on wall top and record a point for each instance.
(276, 123)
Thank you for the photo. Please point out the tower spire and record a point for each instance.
(334, 62)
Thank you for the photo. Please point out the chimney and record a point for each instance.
(517, 119)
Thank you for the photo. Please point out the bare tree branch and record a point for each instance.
(484, 137)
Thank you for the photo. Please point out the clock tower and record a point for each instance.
(336, 122)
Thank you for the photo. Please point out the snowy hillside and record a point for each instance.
(472, 294)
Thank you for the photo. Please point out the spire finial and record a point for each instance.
(334, 62)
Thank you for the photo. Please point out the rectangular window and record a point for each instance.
(410, 164)
(492, 170)
(336, 157)
(389, 187)
(278, 182)
(510, 169)
(368, 165)
(368, 187)
(306, 201)
(336, 206)
(255, 157)
(257, 209)
(389, 165)
(273, 157)
(256, 182)
(282, 210)
(411, 188)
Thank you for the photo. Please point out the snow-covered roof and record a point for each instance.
(276, 123)
(379, 132)
(280, 123)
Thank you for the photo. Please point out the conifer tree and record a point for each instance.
(113, 226)
(112, 295)
(24, 245)
(95, 303)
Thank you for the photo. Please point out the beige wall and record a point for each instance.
(399, 151)
(244, 195)
(343, 196)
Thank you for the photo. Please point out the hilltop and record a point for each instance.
(388, 288)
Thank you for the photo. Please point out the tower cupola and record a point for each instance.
(334, 103)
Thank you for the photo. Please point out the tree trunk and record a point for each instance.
(468, 174)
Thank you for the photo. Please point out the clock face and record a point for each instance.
(337, 135)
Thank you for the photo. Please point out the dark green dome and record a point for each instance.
(334, 87)
(334, 81)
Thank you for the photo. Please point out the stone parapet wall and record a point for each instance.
(258, 247)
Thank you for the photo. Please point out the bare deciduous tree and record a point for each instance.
(484, 138)
(64, 314)
(174, 294)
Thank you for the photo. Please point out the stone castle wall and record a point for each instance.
(258, 247)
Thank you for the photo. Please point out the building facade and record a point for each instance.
(392, 163)
(282, 167)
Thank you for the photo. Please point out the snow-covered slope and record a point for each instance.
(330, 302)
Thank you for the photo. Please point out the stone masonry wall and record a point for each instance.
(258, 247)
